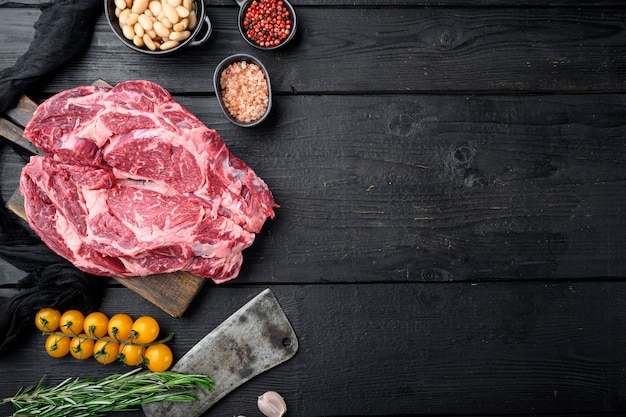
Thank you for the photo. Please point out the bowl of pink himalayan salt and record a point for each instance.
(243, 90)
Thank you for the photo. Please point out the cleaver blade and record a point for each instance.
(257, 337)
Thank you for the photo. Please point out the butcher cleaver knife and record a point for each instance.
(257, 337)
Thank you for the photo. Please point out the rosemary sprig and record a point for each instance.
(76, 397)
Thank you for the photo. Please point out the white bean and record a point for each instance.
(182, 11)
(180, 36)
(132, 19)
(139, 30)
(128, 32)
(193, 20)
(139, 6)
(166, 22)
(149, 42)
(123, 17)
(138, 41)
(145, 21)
(171, 13)
(156, 24)
(155, 7)
(161, 30)
(169, 45)
(182, 25)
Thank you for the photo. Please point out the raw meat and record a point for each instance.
(133, 184)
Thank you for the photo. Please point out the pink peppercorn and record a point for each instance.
(267, 22)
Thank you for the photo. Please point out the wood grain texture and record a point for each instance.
(14, 133)
(434, 188)
(406, 349)
(451, 235)
(396, 3)
(406, 50)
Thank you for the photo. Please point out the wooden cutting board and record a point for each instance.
(172, 292)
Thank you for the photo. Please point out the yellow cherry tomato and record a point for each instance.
(131, 355)
(95, 324)
(58, 346)
(81, 348)
(47, 319)
(119, 327)
(105, 351)
(158, 357)
(72, 322)
(145, 330)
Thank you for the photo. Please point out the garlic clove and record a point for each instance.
(272, 404)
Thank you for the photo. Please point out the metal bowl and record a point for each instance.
(199, 35)
(243, 8)
(218, 91)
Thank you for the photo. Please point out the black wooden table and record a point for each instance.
(452, 180)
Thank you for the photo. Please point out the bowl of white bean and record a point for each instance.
(158, 27)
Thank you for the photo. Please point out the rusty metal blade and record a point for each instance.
(257, 337)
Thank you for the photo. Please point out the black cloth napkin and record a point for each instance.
(51, 281)
(20, 246)
(59, 286)
(62, 32)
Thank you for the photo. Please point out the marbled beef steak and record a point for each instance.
(133, 184)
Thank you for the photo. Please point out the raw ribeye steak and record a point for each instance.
(133, 184)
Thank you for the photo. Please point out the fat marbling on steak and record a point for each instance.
(133, 184)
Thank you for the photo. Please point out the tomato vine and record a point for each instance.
(120, 338)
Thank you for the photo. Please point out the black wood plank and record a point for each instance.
(435, 188)
(404, 49)
(395, 3)
(17, 31)
(10, 167)
(438, 188)
(445, 349)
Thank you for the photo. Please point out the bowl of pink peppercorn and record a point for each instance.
(266, 24)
